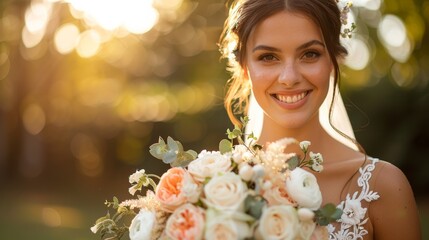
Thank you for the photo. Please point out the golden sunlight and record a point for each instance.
(135, 16)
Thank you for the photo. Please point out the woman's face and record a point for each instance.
(289, 67)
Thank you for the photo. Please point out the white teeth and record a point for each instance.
(291, 99)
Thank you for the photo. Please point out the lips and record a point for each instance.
(291, 98)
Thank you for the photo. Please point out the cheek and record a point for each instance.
(318, 75)
(261, 79)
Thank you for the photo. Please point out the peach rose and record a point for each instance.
(186, 223)
(277, 194)
(175, 188)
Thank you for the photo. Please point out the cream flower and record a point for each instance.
(304, 145)
(142, 225)
(278, 222)
(353, 212)
(209, 164)
(226, 226)
(306, 230)
(317, 160)
(241, 153)
(186, 222)
(303, 188)
(226, 192)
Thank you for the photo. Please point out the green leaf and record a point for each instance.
(158, 149)
(225, 146)
(328, 213)
(192, 153)
(169, 157)
(254, 205)
(173, 145)
(293, 162)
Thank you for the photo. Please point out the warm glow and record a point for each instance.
(88, 43)
(86, 152)
(34, 119)
(136, 16)
(37, 16)
(393, 36)
(66, 38)
(31, 39)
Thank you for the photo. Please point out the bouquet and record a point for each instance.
(239, 192)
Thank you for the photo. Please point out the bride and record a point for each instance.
(285, 53)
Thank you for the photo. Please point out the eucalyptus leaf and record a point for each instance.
(254, 205)
(293, 162)
(172, 144)
(158, 149)
(192, 153)
(327, 214)
(225, 146)
(169, 157)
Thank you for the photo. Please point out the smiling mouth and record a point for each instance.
(291, 98)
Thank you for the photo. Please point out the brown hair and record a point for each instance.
(244, 15)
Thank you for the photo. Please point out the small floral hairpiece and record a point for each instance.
(346, 32)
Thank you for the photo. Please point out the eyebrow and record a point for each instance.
(303, 46)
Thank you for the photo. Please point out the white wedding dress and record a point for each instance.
(354, 215)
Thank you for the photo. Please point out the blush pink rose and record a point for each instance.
(186, 223)
(277, 194)
(175, 188)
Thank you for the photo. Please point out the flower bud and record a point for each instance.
(258, 170)
(305, 214)
(246, 172)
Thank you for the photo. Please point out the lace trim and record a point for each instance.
(353, 217)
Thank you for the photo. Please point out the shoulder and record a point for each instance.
(388, 177)
(396, 206)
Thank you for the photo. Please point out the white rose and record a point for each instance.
(303, 188)
(226, 192)
(278, 222)
(142, 225)
(222, 226)
(208, 164)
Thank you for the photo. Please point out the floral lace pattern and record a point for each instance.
(353, 218)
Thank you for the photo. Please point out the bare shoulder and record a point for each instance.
(389, 179)
(396, 207)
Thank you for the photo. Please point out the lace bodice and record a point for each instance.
(354, 215)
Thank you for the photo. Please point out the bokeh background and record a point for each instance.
(86, 86)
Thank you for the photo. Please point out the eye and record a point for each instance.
(310, 55)
(267, 58)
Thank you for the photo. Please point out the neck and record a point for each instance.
(312, 131)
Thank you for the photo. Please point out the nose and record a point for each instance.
(289, 75)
